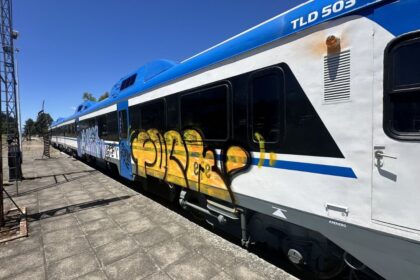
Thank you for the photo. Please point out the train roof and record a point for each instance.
(160, 72)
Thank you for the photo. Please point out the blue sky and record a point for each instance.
(69, 47)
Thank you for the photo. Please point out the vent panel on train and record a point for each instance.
(337, 77)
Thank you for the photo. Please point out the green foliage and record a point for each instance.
(7, 123)
(87, 96)
(43, 122)
(29, 127)
(103, 96)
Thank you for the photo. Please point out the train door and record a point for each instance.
(396, 137)
(124, 141)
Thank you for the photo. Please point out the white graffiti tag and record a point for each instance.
(91, 144)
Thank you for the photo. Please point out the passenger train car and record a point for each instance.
(303, 132)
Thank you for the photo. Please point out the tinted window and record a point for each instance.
(112, 126)
(207, 111)
(128, 82)
(123, 124)
(153, 116)
(405, 112)
(267, 102)
(402, 89)
(406, 65)
(102, 126)
(134, 112)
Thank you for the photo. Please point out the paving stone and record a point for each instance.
(260, 267)
(89, 215)
(175, 229)
(72, 267)
(192, 240)
(158, 276)
(95, 275)
(139, 225)
(51, 208)
(57, 223)
(168, 252)
(138, 201)
(244, 273)
(51, 198)
(62, 235)
(220, 256)
(222, 276)
(102, 224)
(19, 246)
(124, 217)
(102, 237)
(117, 208)
(57, 251)
(75, 193)
(193, 268)
(79, 199)
(116, 250)
(17, 264)
(151, 237)
(34, 228)
(101, 194)
(136, 266)
(37, 273)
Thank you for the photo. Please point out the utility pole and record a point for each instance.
(9, 115)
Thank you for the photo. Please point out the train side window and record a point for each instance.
(152, 115)
(123, 124)
(134, 113)
(102, 126)
(207, 111)
(267, 105)
(402, 88)
(112, 125)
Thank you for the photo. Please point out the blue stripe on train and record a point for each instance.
(332, 170)
(310, 167)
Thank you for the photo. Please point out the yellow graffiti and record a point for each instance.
(184, 160)
(273, 158)
(261, 142)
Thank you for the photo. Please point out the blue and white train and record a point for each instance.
(303, 131)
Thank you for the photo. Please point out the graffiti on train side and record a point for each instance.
(261, 144)
(90, 143)
(112, 151)
(184, 159)
(125, 155)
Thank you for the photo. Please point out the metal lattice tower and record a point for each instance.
(7, 72)
(9, 115)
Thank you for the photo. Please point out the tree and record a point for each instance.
(87, 96)
(103, 96)
(8, 125)
(29, 128)
(43, 122)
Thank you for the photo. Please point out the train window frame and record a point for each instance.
(257, 74)
(390, 90)
(204, 88)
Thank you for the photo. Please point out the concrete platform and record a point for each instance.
(85, 225)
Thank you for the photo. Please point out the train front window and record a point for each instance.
(267, 102)
(402, 89)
